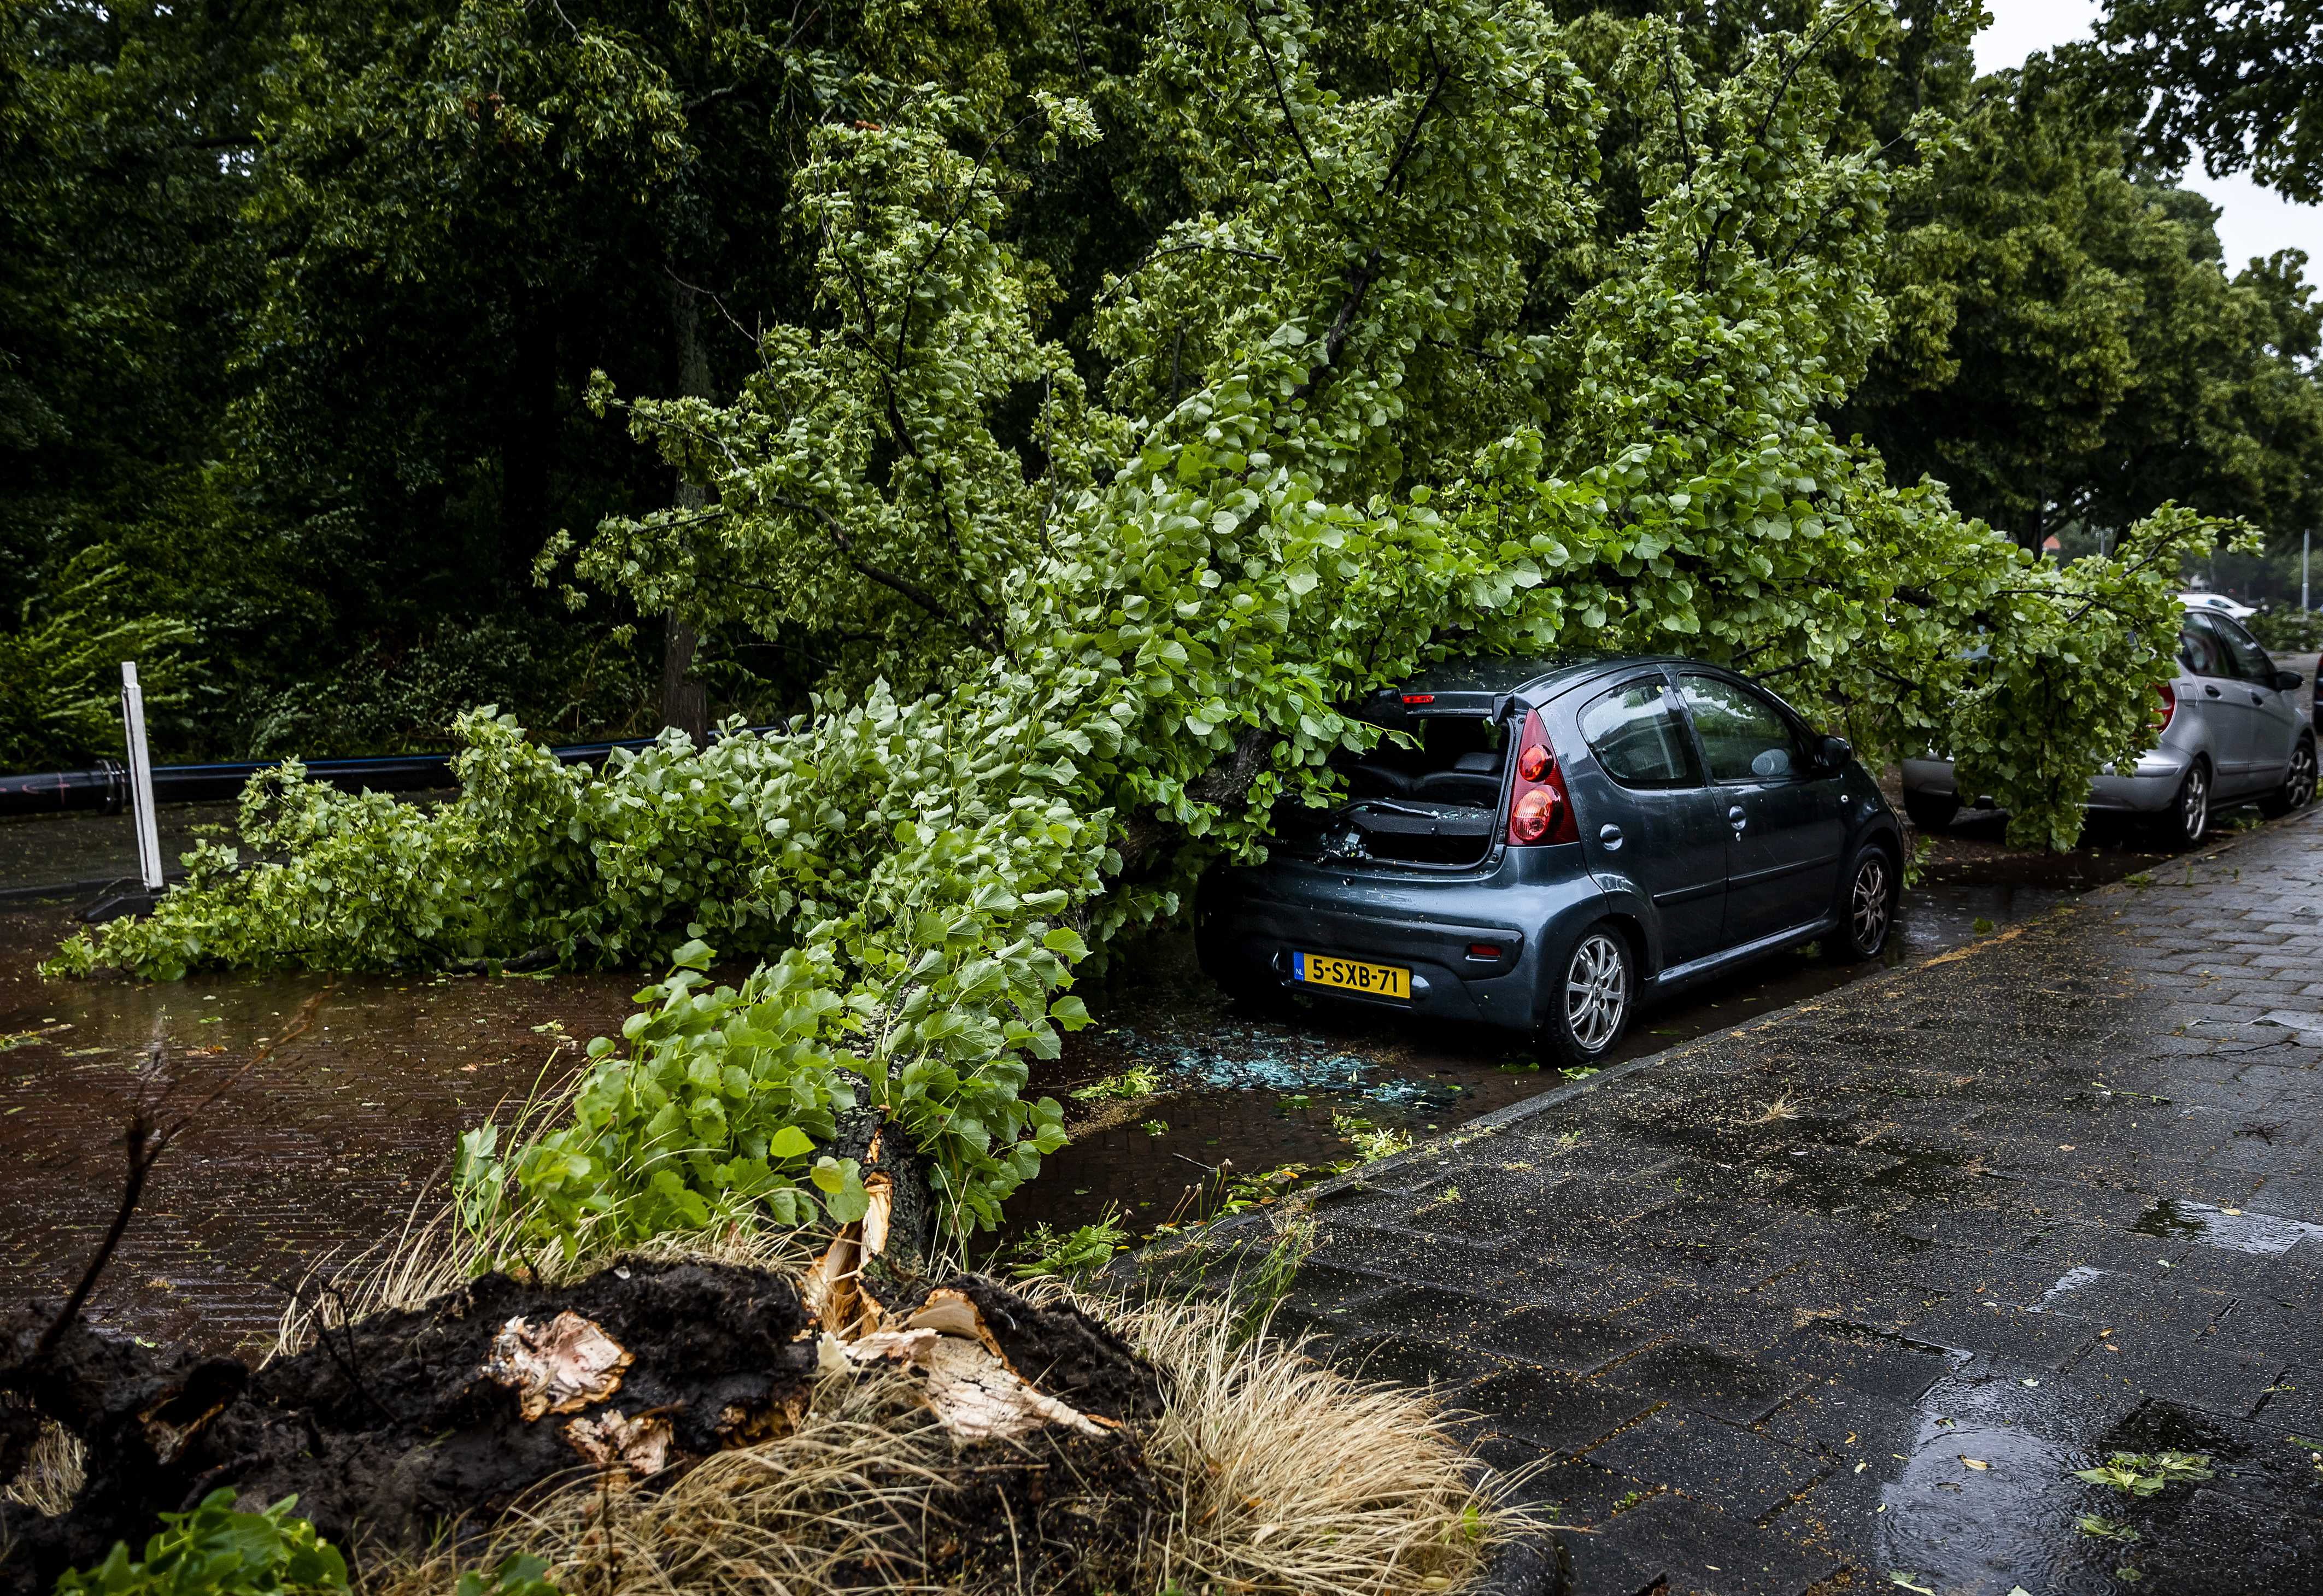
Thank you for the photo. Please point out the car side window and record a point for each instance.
(2251, 661)
(2200, 649)
(1638, 741)
(1744, 737)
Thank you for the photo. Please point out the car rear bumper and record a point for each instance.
(1250, 923)
(2149, 789)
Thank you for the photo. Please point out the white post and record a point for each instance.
(140, 779)
(2305, 538)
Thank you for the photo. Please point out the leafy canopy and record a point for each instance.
(215, 1551)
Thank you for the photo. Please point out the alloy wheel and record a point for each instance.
(1868, 907)
(1596, 991)
(2194, 806)
(2299, 787)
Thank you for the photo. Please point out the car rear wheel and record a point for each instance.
(2298, 789)
(2187, 820)
(1866, 907)
(1931, 811)
(1589, 1007)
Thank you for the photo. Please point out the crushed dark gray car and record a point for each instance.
(1542, 845)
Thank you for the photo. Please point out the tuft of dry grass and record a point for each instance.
(52, 1472)
(1781, 1108)
(1293, 1477)
(842, 1503)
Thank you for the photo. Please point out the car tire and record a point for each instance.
(1869, 894)
(1591, 998)
(1931, 811)
(2186, 822)
(2298, 789)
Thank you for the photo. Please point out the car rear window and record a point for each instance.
(1636, 735)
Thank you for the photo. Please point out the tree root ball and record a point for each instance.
(401, 1426)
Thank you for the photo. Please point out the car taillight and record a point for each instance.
(1540, 808)
(2169, 702)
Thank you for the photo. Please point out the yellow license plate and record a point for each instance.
(1380, 980)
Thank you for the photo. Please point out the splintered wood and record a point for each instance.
(560, 1367)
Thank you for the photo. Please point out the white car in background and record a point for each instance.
(2218, 601)
(2231, 732)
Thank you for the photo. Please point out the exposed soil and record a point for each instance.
(408, 1425)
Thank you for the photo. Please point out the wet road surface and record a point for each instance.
(325, 1147)
(1852, 1297)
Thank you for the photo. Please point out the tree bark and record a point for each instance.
(684, 702)
(1146, 835)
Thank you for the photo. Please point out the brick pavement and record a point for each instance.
(1749, 1314)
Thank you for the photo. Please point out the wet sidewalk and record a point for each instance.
(1844, 1299)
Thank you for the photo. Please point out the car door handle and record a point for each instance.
(2258, 698)
(1610, 836)
(1736, 817)
(2211, 691)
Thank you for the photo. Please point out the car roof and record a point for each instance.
(1496, 673)
(1470, 685)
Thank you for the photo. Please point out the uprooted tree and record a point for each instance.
(1390, 391)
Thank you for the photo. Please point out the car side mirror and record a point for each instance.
(2284, 681)
(1836, 752)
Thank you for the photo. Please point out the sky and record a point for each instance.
(2255, 221)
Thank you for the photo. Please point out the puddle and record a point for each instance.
(49, 852)
(323, 1146)
(1952, 1526)
(2070, 1281)
(1986, 1499)
(2229, 1229)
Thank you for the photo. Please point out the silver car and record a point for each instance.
(2231, 732)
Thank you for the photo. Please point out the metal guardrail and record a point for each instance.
(105, 787)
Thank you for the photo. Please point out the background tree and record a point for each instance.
(2240, 80)
(301, 341)
(121, 285)
(2068, 350)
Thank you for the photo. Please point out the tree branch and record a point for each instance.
(1359, 283)
(888, 580)
(1394, 177)
(1282, 99)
